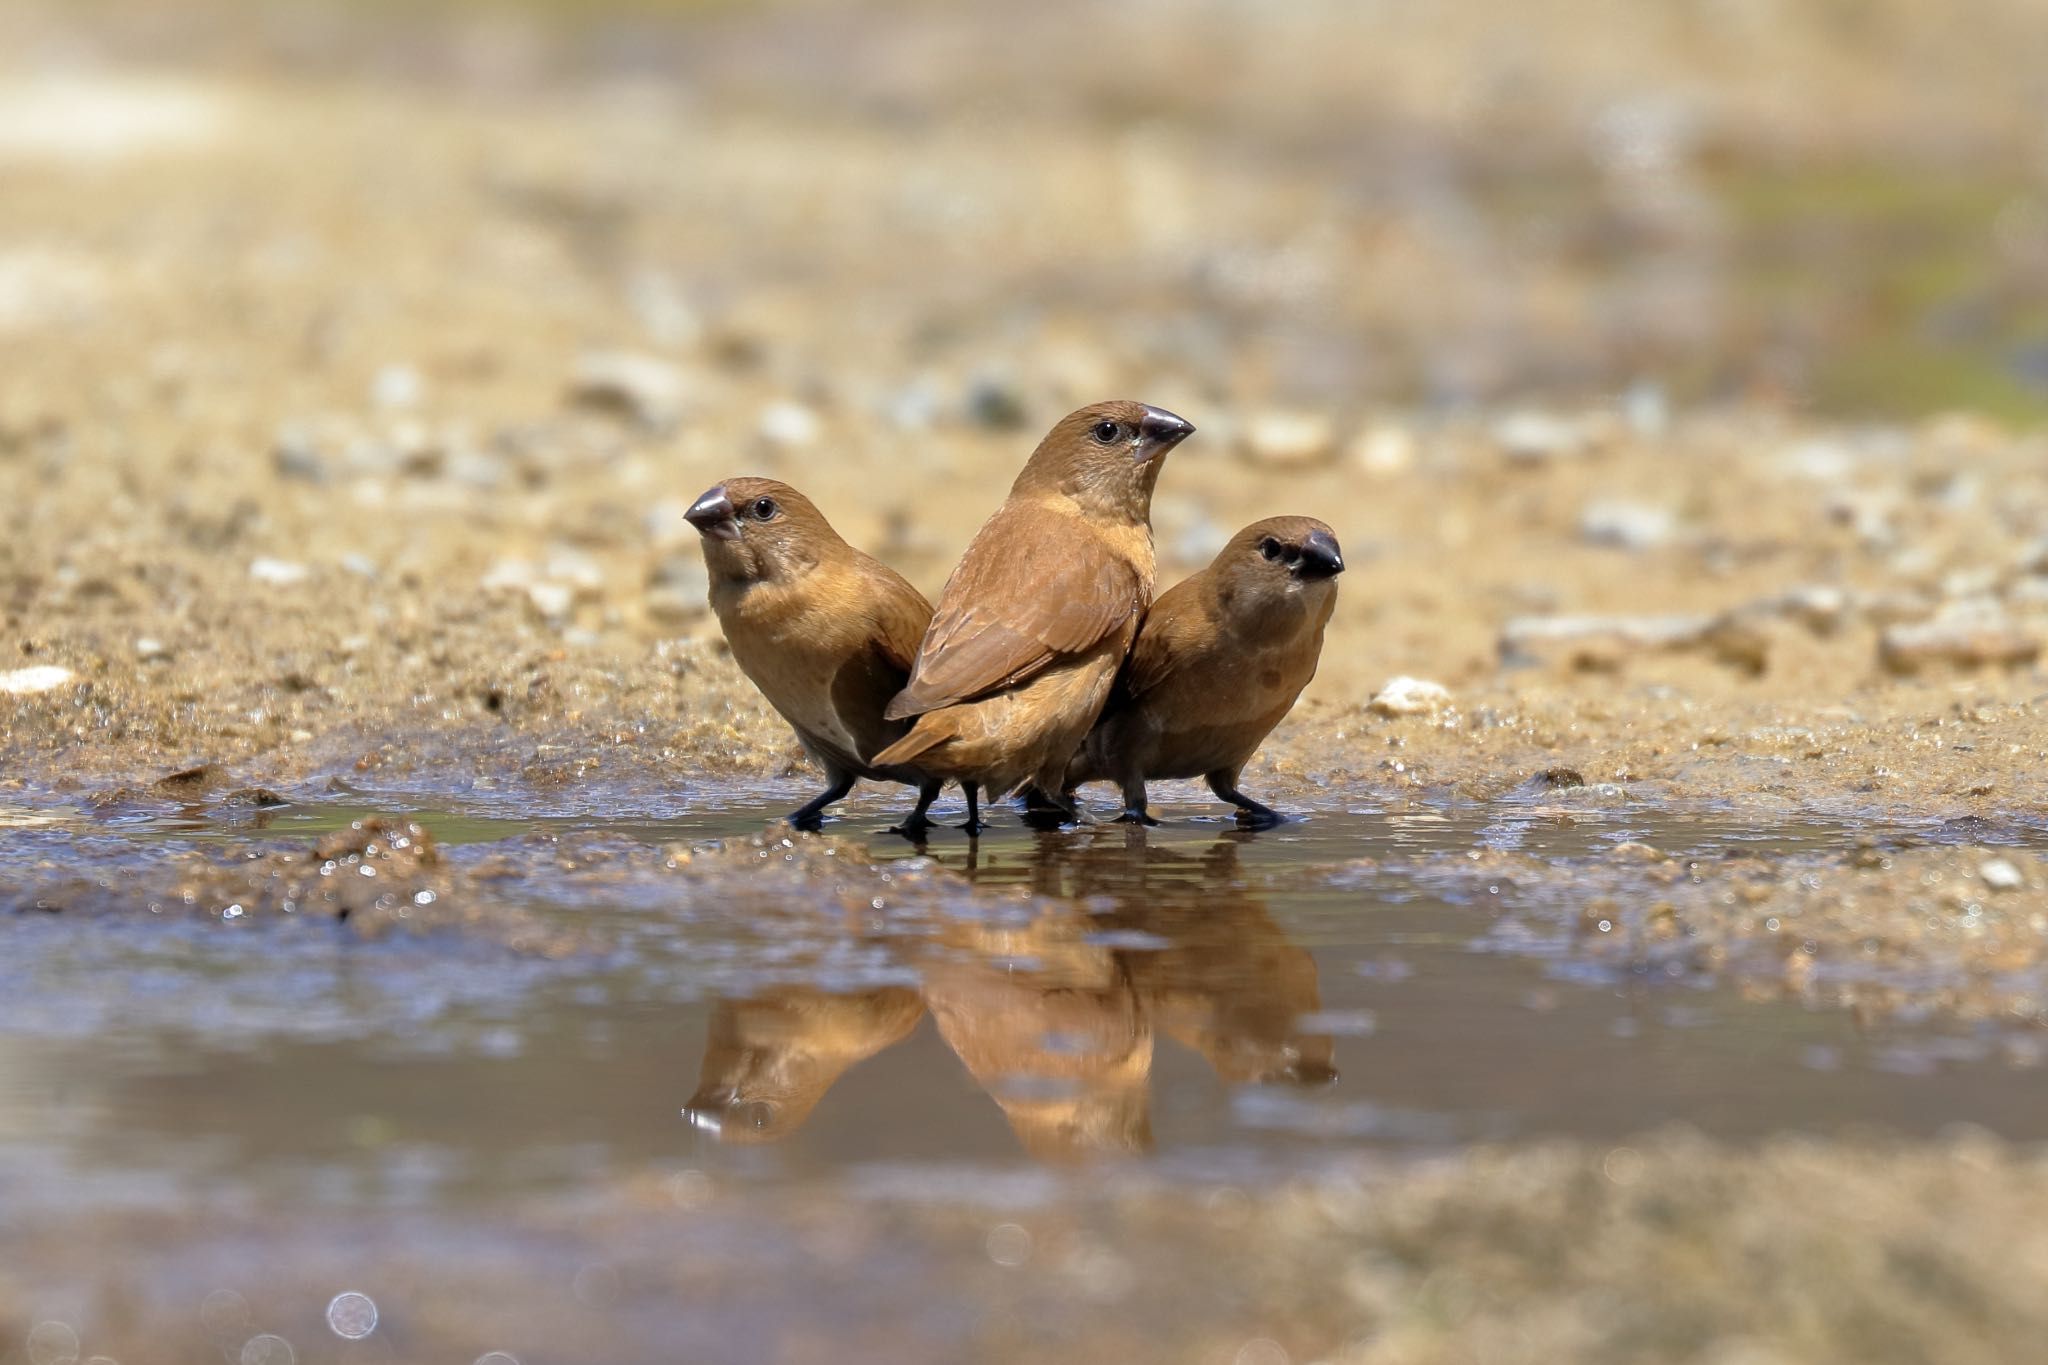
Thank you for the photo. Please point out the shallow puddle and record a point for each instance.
(1210, 1002)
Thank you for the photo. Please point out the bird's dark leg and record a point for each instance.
(918, 821)
(1044, 811)
(1064, 805)
(1134, 804)
(973, 790)
(811, 814)
(1249, 812)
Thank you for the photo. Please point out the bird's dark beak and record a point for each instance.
(1160, 431)
(713, 516)
(1320, 557)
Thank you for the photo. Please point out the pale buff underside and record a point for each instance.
(791, 641)
(1027, 734)
(1209, 716)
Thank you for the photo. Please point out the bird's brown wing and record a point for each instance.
(901, 616)
(1028, 591)
(874, 674)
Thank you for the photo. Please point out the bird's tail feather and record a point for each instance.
(906, 749)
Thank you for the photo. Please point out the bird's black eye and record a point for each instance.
(763, 509)
(1108, 432)
(1270, 548)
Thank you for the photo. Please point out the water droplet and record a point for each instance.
(352, 1315)
(1009, 1244)
(1623, 1165)
(52, 1343)
(267, 1349)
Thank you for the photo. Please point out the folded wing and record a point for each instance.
(1029, 591)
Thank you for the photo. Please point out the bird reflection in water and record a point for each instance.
(771, 1058)
(1054, 1018)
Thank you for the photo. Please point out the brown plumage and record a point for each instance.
(827, 633)
(1221, 658)
(1036, 619)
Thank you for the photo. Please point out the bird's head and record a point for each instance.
(1280, 558)
(1106, 457)
(758, 529)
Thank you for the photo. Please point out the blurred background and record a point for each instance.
(1834, 207)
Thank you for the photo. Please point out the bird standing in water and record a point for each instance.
(1220, 660)
(826, 632)
(1036, 619)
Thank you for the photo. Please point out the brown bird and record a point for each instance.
(1035, 620)
(1220, 660)
(827, 633)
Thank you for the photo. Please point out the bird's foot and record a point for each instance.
(809, 822)
(1134, 816)
(917, 829)
(1260, 819)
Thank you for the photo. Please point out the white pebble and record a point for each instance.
(1289, 440)
(24, 682)
(1384, 451)
(1406, 696)
(1625, 524)
(789, 425)
(1539, 437)
(278, 573)
(2001, 875)
(646, 388)
(397, 386)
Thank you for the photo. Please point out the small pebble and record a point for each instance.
(1405, 696)
(397, 386)
(645, 388)
(24, 682)
(1625, 525)
(278, 573)
(2000, 875)
(1384, 451)
(1289, 440)
(1971, 634)
(995, 403)
(789, 425)
(1534, 438)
